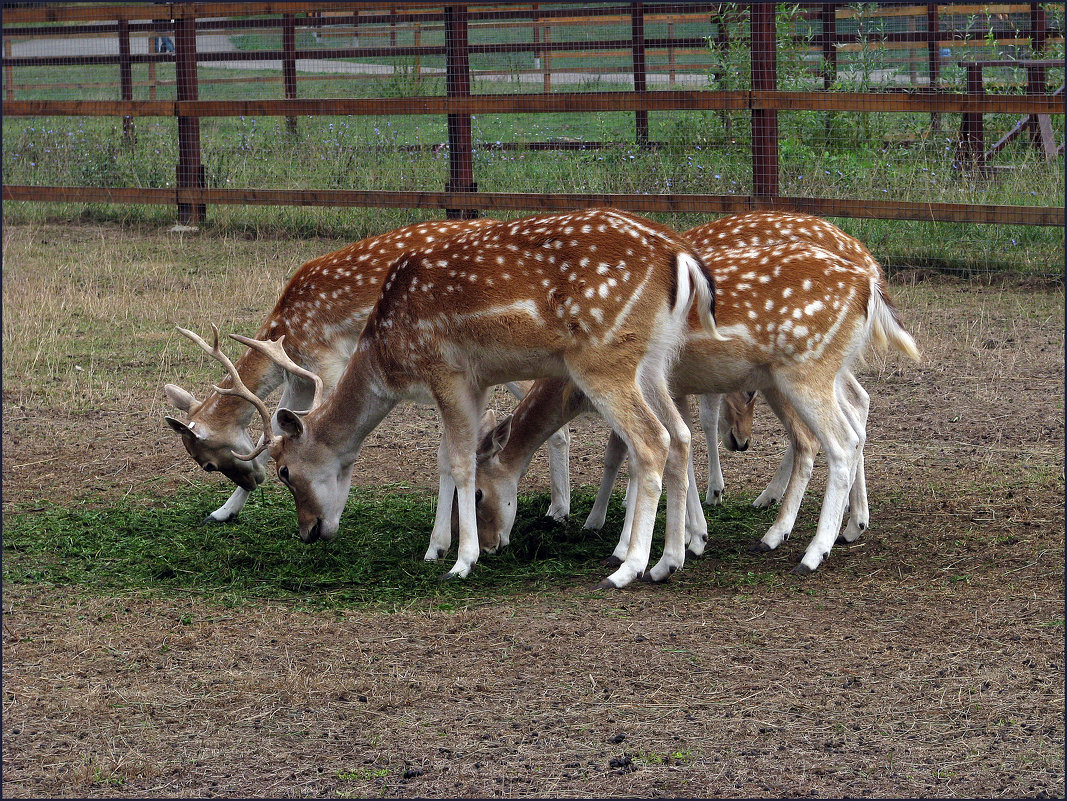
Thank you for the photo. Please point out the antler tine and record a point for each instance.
(275, 350)
(239, 389)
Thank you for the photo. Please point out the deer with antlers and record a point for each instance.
(321, 313)
(599, 297)
(797, 317)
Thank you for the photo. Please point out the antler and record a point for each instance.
(239, 389)
(274, 350)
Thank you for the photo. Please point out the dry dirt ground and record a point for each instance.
(928, 660)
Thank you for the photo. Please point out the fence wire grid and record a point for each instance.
(934, 131)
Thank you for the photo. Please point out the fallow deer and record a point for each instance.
(760, 229)
(797, 317)
(600, 297)
(321, 313)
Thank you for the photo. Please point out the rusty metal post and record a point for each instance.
(971, 149)
(764, 121)
(125, 76)
(9, 72)
(828, 17)
(458, 84)
(671, 66)
(190, 167)
(289, 64)
(933, 57)
(637, 36)
(1038, 28)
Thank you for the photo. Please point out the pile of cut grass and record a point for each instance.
(376, 560)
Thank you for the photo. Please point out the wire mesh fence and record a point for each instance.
(936, 129)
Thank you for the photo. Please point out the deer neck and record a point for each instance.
(359, 402)
(550, 405)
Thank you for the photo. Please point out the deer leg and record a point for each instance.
(559, 456)
(614, 453)
(775, 490)
(842, 444)
(623, 546)
(709, 421)
(229, 510)
(803, 447)
(647, 441)
(441, 536)
(859, 516)
(461, 407)
(676, 479)
(559, 467)
(696, 525)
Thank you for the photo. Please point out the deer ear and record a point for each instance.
(495, 440)
(179, 398)
(188, 435)
(290, 423)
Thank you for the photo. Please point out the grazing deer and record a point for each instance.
(321, 313)
(797, 317)
(599, 297)
(760, 229)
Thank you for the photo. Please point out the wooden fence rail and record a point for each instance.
(461, 196)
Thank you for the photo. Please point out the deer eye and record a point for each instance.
(478, 494)
(211, 467)
(283, 474)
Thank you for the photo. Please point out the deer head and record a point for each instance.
(735, 420)
(210, 438)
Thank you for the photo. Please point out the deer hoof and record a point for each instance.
(605, 584)
(802, 570)
(759, 546)
(611, 561)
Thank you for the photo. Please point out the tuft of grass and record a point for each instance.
(376, 559)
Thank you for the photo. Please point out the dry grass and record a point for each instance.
(928, 660)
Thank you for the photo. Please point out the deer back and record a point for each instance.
(504, 300)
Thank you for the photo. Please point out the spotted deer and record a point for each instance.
(760, 229)
(797, 317)
(599, 297)
(321, 313)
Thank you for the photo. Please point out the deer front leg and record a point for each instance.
(461, 409)
(559, 462)
(709, 421)
(776, 489)
(229, 510)
(559, 467)
(441, 536)
(614, 453)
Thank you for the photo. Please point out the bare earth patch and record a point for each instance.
(927, 660)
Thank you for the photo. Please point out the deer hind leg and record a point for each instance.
(614, 454)
(559, 463)
(441, 536)
(842, 443)
(799, 459)
(858, 405)
(461, 407)
(709, 421)
(648, 442)
(675, 478)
